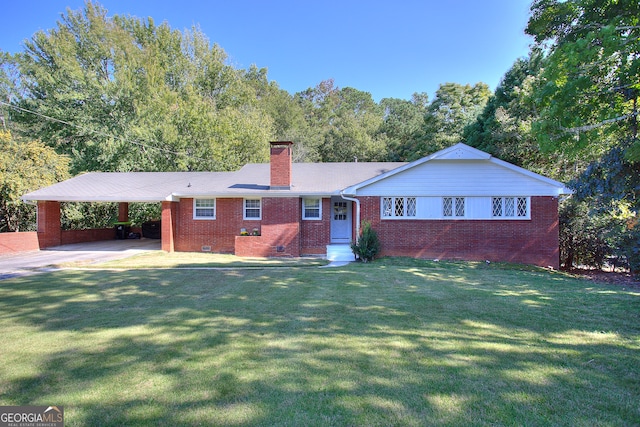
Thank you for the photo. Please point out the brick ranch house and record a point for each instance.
(458, 203)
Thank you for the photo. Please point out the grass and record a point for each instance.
(395, 342)
(159, 259)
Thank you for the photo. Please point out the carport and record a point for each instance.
(115, 187)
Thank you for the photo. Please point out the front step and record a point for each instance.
(340, 252)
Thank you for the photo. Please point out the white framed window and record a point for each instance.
(399, 207)
(510, 207)
(204, 208)
(311, 208)
(252, 209)
(453, 207)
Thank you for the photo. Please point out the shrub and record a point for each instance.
(368, 244)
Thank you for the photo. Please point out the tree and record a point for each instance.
(504, 128)
(454, 107)
(402, 121)
(586, 98)
(606, 195)
(588, 91)
(344, 122)
(25, 165)
(124, 94)
(9, 87)
(353, 135)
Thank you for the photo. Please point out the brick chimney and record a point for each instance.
(281, 165)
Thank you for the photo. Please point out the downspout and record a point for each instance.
(352, 199)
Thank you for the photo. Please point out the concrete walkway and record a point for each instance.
(86, 253)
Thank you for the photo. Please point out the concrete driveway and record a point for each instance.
(85, 253)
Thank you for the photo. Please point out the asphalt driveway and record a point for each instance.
(85, 253)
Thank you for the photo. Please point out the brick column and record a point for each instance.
(169, 216)
(49, 226)
(123, 212)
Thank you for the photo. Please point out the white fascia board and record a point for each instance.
(91, 199)
(263, 194)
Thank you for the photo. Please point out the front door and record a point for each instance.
(340, 220)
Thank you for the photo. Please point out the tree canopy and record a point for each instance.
(25, 165)
(588, 91)
(126, 94)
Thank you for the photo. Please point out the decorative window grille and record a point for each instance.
(252, 209)
(412, 206)
(447, 206)
(387, 203)
(399, 207)
(311, 209)
(453, 206)
(204, 208)
(496, 206)
(523, 208)
(459, 203)
(509, 207)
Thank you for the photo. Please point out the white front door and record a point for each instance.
(340, 220)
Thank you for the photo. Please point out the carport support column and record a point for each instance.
(123, 212)
(49, 225)
(169, 212)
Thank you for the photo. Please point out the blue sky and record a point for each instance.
(389, 48)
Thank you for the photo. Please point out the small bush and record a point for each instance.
(368, 244)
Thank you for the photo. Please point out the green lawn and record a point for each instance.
(395, 342)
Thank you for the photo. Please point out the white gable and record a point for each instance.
(460, 152)
(459, 170)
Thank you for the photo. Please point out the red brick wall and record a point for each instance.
(168, 231)
(316, 234)
(49, 226)
(218, 235)
(123, 212)
(279, 228)
(532, 241)
(281, 225)
(280, 164)
(92, 235)
(11, 243)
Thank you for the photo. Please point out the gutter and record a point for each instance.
(352, 199)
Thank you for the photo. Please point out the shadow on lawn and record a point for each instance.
(352, 346)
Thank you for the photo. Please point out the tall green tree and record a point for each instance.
(588, 92)
(586, 97)
(354, 135)
(402, 122)
(125, 94)
(504, 128)
(345, 123)
(25, 165)
(454, 107)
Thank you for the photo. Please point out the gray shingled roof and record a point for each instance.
(252, 180)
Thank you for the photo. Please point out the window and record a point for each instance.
(399, 207)
(453, 206)
(252, 209)
(339, 211)
(510, 207)
(311, 209)
(204, 209)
